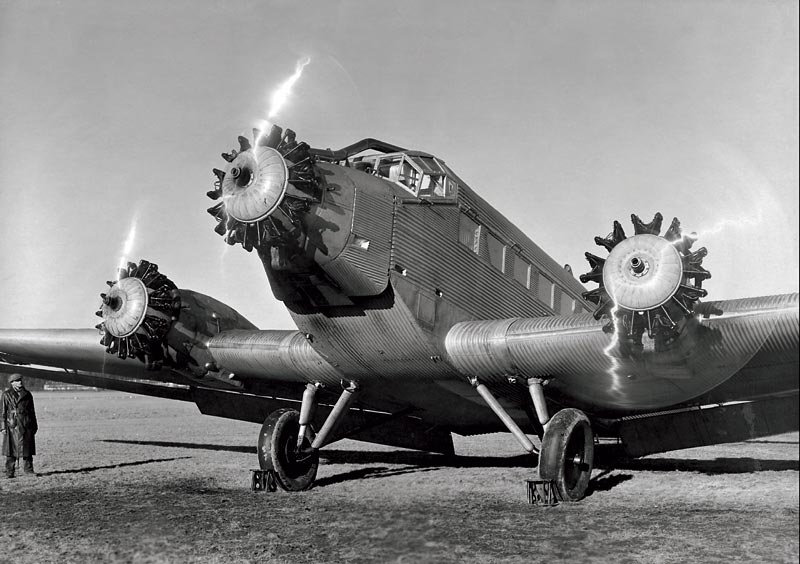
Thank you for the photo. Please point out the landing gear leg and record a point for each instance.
(567, 453)
(295, 468)
(349, 391)
(307, 409)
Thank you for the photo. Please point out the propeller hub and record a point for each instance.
(255, 184)
(639, 267)
(124, 307)
(643, 272)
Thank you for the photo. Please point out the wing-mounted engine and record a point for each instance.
(138, 311)
(265, 189)
(145, 316)
(648, 283)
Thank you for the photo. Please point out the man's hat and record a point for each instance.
(15, 378)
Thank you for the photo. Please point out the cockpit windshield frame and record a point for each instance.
(421, 174)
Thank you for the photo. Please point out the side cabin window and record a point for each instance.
(469, 233)
(544, 290)
(497, 252)
(522, 271)
(567, 306)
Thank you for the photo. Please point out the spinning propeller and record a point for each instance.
(648, 282)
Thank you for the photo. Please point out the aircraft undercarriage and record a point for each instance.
(567, 441)
(287, 444)
(289, 448)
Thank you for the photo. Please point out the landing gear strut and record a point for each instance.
(567, 453)
(295, 467)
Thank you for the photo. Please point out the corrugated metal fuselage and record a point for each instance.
(390, 338)
(431, 280)
(406, 270)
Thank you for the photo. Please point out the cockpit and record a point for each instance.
(421, 174)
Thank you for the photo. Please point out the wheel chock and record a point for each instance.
(543, 492)
(263, 481)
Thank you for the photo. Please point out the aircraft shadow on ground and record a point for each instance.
(414, 461)
(740, 465)
(333, 456)
(771, 442)
(605, 481)
(194, 446)
(110, 466)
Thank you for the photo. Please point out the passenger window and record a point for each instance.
(566, 304)
(468, 234)
(522, 271)
(544, 290)
(497, 252)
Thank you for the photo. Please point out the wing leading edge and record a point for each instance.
(584, 366)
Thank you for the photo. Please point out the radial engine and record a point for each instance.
(319, 229)
(649, 284)
(145, 316)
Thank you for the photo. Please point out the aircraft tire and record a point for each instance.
(567, 453)
(294, 471)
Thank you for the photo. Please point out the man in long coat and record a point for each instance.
(18, 426)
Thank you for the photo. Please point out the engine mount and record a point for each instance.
(648, 283)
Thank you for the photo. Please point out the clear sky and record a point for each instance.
(564, 115)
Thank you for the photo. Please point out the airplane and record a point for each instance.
(421, 311)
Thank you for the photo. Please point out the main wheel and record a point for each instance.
(295, 470)
(567, 453)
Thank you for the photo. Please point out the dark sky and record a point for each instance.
(564, 115)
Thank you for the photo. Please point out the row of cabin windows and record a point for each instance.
(500, 256)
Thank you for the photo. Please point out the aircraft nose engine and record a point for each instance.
(137, 312)
(265, 189)
(254, 184)
(648, 282)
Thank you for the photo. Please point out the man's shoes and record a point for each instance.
(9, 476)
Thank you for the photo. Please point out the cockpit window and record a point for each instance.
(423, 176)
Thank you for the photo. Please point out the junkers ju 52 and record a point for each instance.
(421, 311)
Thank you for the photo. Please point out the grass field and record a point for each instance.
(125, 478)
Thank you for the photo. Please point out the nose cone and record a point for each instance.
(124, 307)
(643, 272)
(254, 184)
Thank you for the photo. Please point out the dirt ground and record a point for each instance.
(125, 478)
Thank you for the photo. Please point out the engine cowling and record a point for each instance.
(267, 186)
(145, 316)
(138, 311)
(648, 284)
